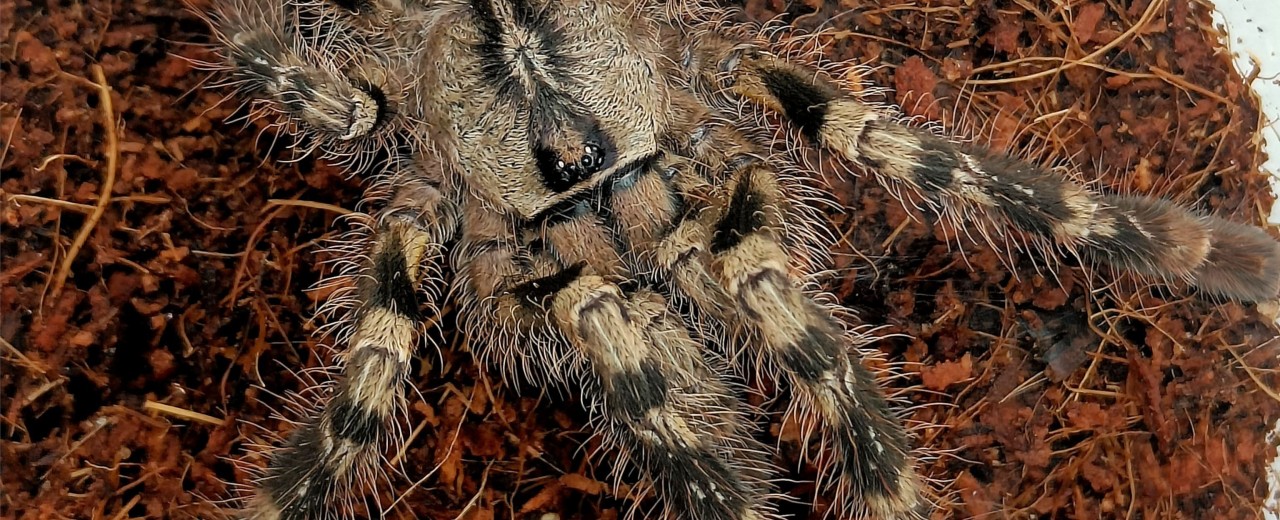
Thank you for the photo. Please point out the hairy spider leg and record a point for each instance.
(643, 377)
(271, 57)
(723, 252)
(995, 192)
(616, 285)
(339, 447)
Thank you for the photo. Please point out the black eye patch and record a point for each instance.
(559, 174)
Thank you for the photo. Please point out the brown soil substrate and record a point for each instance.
(135, 372)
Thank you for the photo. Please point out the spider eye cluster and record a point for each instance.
(560, 170)
(592, 157)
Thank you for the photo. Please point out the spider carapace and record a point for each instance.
(592, 173)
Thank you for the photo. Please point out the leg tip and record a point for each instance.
(1243, 263)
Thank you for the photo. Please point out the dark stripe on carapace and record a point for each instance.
(538, 20)
(803, 98)
(495, 52)
(491, 49)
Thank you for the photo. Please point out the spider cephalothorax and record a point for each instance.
(590, 169)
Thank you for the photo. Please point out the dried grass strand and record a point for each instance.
(108, 180)
(1068, 64)
(183, 413)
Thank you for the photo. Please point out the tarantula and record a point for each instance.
(599, 176)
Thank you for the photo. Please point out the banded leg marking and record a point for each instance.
(342, 446)
(994, 192)
(730, 263)
(660, 402)
(663, 405)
